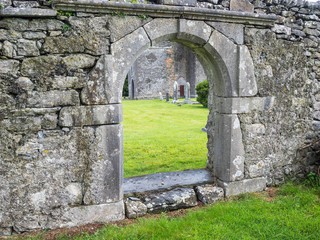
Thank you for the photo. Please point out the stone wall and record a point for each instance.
(61, 113)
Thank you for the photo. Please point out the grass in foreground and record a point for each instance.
(163, 137)
(292, 212)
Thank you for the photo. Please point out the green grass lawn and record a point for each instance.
(292, 212)
(162, 137)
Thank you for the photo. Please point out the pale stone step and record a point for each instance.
(159, 181)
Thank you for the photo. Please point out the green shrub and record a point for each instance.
(203, 92)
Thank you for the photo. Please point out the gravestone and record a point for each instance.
(167, 97)
(187, 94)
(175, 92)
(161, 97)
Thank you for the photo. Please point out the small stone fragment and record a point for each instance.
(171, 200)
(209, 194)
(135, 209)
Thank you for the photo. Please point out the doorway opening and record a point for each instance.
(160, 136)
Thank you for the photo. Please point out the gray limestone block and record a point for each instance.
(9, 67)
(225, 53)
(241, 6)
(61, 44)
(120, 27)
(25, 4)
(9, 34)
(160, 30)
(34, 35)
(8, 49)
(171, 200)
(103, 180)
(53, 98)
(63, 82)
(93, 33)
(243, 105)
(135, 209)
(27, 48)
(229, 152)
(41, 66)
(247, 81)
(255, 170)
(209, 194)
(79, 61)
(25, 83)
(119, 64)
(195, 32)
(94, 91)
(231, 30)
(190, 3)
(281, 29)
(245, 186)
(80, 215)
(90, 115)
(31, 123)
(21, 24)
(28, 12)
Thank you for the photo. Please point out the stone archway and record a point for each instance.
(228, 66)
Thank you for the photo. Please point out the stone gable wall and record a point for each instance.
(60, 142)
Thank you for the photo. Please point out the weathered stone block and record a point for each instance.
(120, 27)
(135, 209)
(25, 4)
(27, 48)
(20, 24)
(34, 35)
(228, 152)
(90, 115)
(241, 6)
(53, 98)
(160, 30)
(79, 61)
(76, 216)
(281, 29)
(245, 186)
(209, 194)
(95, 91)
(171, 200)
(61, 44)
(255, 129)
(247, 80)
(194, 32)
(9, 34)
(225, 53)
(116, 70)
(8, 49)
(256, 170)
(231, 30)
(243, 105)
(94, 33)
(191, 3)
(9, 67)
(29, 123)
(103, 180)
(63, 82)
(42, 66)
